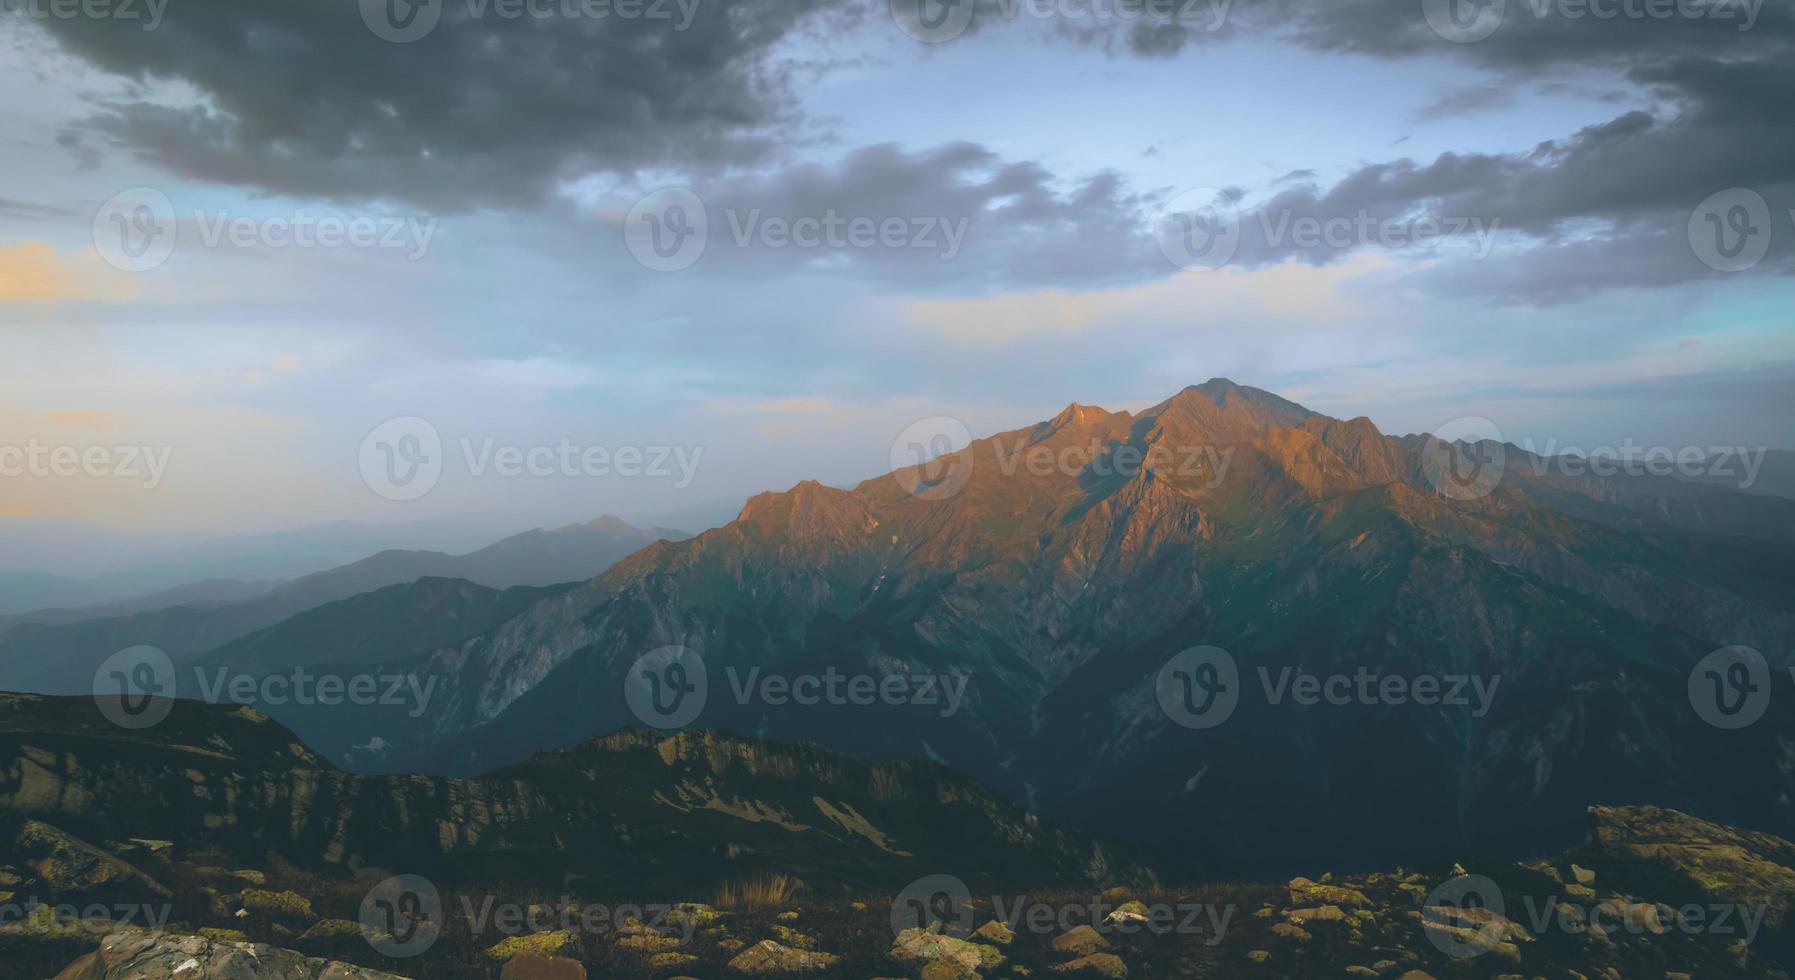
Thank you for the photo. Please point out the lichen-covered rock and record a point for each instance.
(289, 908)
(540, 943)
(135, 954)
(793, 938)
(769, 959)
(919, 947)
(1730, 866)
(1306, 892)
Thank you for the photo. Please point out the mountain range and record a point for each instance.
(1058, 569)
(59, 656)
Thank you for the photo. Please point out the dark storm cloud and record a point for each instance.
(304, 98)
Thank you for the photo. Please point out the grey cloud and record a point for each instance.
(32, 209)
(1609, 205)
(1022, 224)
(1464, 101)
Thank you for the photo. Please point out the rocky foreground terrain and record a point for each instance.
(1654, 893)
(217, 846)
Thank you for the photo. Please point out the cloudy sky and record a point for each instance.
(767, 237)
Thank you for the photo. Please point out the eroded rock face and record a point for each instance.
(140, 955)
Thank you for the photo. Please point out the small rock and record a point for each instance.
(542, 944)
(996, 933)
(1292, 932)
(1106, 965)
(769, 959)
(533, 966)
(1081, 941)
